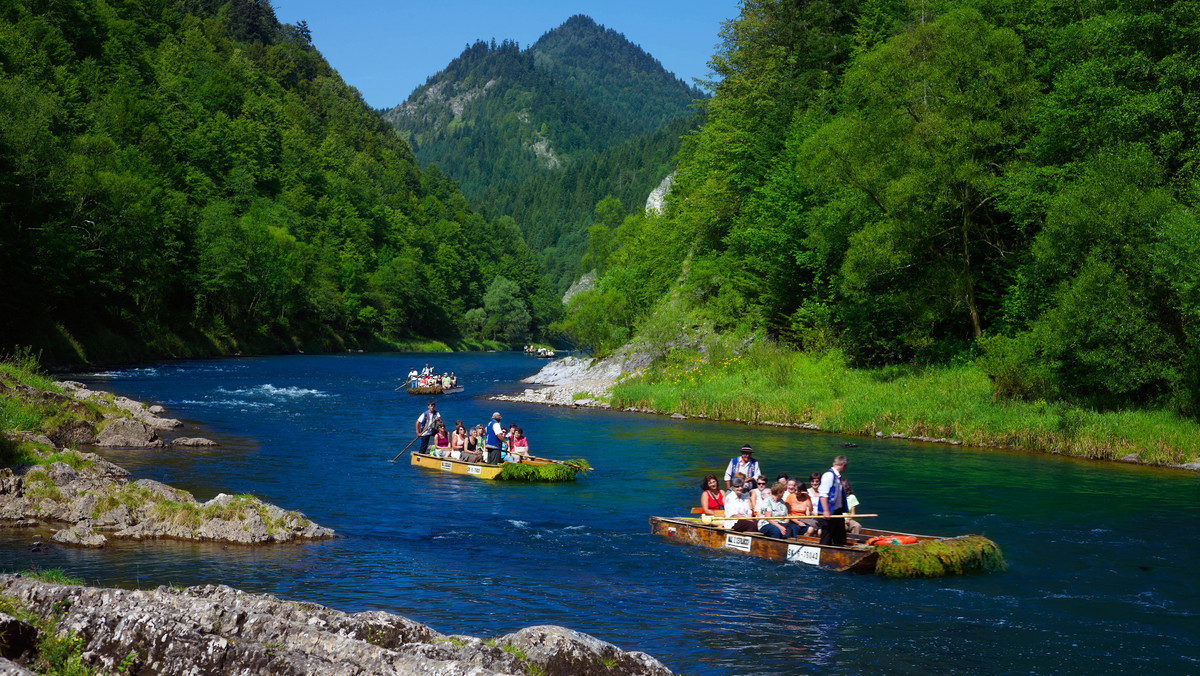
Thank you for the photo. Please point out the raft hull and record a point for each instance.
(475, 469)
(857, 558)
(426, 391)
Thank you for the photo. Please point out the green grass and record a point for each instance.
(767, 383)
(552, 472)
(52, 576)
(938, 558)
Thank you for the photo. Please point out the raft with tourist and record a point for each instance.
(428, 382)
(486, 451)
(815, 525)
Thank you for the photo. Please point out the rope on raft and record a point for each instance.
(523, 471)
(938, 558)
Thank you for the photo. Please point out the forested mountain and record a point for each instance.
(927, 182)
(500, 113)
(543, 134)
(190, 176)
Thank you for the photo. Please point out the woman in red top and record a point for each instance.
(711, 499)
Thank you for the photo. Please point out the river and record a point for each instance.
(1102, 557)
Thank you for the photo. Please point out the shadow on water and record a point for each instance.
(1101, 556)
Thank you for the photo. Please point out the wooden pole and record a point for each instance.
(405, 448)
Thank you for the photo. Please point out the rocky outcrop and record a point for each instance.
(656, 202)
(220, 630)
(585, 283)
(99, 502)
(92, 500)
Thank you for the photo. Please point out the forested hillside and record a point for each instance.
(932, 182)
(190, 176)
(500, 113)
(545, 133)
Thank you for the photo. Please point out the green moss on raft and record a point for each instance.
(938, 558)
(523, 471)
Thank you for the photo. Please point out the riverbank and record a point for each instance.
(219, 630)
(79, 498)
(771, 386)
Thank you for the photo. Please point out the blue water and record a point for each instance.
(1102, 557)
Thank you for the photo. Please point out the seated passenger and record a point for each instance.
(441, 440)
(853, 527)
(771, 506)
(800, 505)
(737, 505)
(711, 499)
(519, 444)
(474, 448)
(458, 440)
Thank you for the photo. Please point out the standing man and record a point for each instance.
(493, 443)
(744, 464)
(832, 494)
(425, 423)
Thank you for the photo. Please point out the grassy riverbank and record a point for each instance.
(767, 383)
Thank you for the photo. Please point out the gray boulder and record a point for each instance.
(125, 433)
(80, 535)
(559, 650)
(192, 441)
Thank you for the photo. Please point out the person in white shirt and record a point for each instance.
(737, 505)
(832, 503)
(744, 463)
(425, 425)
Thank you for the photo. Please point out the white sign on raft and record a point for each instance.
(738, 542)
(809, 555)
(446, 466)
(472, 469)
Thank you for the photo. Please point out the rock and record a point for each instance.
(73, 433)
(1193, 465)
(563, 651)
(10, 668)
(60, 473)
(156, 410)
(18, 639)
(31, 436)
(680, 416)
(192, 441)
(125, 433)
(81, 535)
(161, 423)
(219, 630)
(1132, 457)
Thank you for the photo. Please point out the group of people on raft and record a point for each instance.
(429, 378)
(785, 509)
(539, 351)
(488, 443)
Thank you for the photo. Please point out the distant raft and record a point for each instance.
(529, 469)
(925, 556)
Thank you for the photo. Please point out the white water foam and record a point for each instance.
(273, 392)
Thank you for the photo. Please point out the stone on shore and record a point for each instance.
(220, 630)
(192, 441)
(127, 433)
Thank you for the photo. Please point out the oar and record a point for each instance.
(405, 448)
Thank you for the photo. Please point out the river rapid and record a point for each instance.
(1102, 557)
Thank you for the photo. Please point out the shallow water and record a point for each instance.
(1102, 572)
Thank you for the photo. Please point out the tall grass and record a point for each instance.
(767, 383)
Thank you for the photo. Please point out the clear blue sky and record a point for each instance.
(387, 49)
